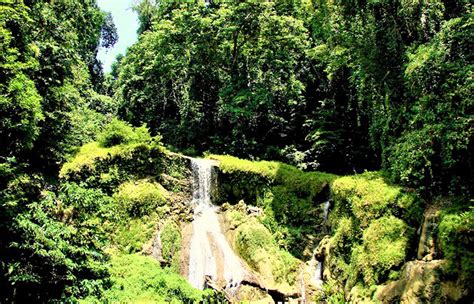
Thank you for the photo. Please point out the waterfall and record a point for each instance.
(208, 245)
(317, 277)
(325, 211)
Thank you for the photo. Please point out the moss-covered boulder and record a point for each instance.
(142, 197)
(384, 247)
(369, 196)
(256, 245)
(373, 233)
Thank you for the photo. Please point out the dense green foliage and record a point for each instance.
(51, 234)
(331, 85)
(139, 279)
(86, 184)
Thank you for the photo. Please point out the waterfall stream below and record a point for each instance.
(317, 277)
(210, 255)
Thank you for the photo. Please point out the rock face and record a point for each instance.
(420, 282)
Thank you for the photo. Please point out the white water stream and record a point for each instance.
(208, 244)
(317, 277)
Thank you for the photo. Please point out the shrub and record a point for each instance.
(171, 244)
(118, 132)
(59, 254)
(139, 279)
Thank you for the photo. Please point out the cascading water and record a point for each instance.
(317, 277)
(325, 211)
(208, 245)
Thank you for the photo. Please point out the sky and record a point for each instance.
(126, 22)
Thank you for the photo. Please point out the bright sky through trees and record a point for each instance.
(125, 20)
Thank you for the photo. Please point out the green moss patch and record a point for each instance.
(368, 196)
(455, 232)
(384, 246)
(256, 245)
(141, 197)
(171, 241)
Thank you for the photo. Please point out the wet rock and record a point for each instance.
(420, 282)
(427, 249)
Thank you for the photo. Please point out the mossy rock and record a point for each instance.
(291, 198)
(131, 234)
(384, 246)
(369, 196)
(142, 197)
(171, 241)
(422, 282)
(256, 245)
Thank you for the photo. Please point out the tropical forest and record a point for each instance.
(251, 151)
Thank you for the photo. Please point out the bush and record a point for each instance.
(139, 279)
(118, 132)
(59, 254)
(142, 197)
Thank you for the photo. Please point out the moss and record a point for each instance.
(139, 198)
(171, 240)
(140, 205)
(290, 197)
(131, 234)
(257, 247)
(384, 246)
(456, 229)
(139, 279)
(272, 172)
(368, 196)
(106, 166)
(87, 157)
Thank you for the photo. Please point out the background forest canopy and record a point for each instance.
(334, 86)
(330, 85)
